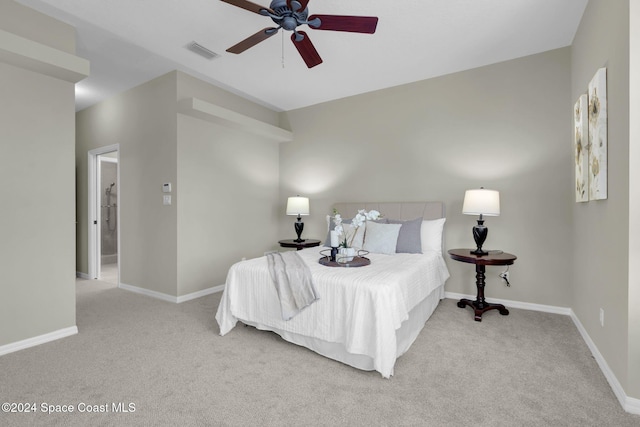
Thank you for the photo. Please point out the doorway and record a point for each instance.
(104, 214)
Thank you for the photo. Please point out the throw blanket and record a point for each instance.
(293, 282)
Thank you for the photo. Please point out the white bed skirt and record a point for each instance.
(405, 335)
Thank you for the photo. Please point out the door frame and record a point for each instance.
(93, 211)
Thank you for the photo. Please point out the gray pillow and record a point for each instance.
(409, 239)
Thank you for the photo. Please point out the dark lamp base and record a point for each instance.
(480, 251)
(299, 226)
(479, 236)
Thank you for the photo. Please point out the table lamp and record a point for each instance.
(481, 202)
(298, 206)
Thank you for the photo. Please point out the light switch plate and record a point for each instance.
(166, 200)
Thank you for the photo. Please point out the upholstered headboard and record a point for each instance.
(396, 210)
(404, 211)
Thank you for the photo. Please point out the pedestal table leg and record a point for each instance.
(480, 305)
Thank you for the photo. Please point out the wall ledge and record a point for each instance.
(30, 55)
(213, 113)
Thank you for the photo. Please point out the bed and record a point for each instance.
(365, 317)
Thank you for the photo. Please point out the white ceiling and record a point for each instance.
(132, 41)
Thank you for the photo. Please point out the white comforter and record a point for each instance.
(360, 308)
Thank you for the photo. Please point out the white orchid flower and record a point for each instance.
(347, 235)
(373, 215)
(358, 220)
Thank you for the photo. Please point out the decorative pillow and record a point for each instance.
(409, 239)
(431, 235)
(358, 240)
(381, 238)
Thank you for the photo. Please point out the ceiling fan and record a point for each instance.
(289, 14)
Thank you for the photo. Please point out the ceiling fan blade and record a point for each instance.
(303, 4)
(253, 40)
(247, 5)
(352, 24)
(306, 49)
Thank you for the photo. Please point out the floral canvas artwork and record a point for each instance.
(580, 149)
(597, 98)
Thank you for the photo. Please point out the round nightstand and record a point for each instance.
(492, 258)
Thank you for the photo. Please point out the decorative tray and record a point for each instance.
(344, 261)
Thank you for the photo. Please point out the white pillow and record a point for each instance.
(358, 240)
(431, 235)
(381, 238)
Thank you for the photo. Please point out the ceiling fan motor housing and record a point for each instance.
(286, 17)
(290, 14)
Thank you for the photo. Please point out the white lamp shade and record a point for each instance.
(481, 202)
(298, 206)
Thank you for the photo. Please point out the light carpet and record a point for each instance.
(168, 361)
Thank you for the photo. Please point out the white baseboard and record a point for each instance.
(62, 333)
(82, 275)
(632, 405)
(40, 339)
(147, 292)
(171, 298)
(199, 294)
(629, 404)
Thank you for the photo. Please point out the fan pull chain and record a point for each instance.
(282, 34)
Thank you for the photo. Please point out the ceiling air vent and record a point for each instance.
(202, 51)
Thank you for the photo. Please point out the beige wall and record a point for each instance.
(37, 248)
(142, 120)
(228, 190)
(601, 228)
(224, 185)
(504, 127)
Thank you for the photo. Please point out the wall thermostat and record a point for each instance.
(166, 187)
